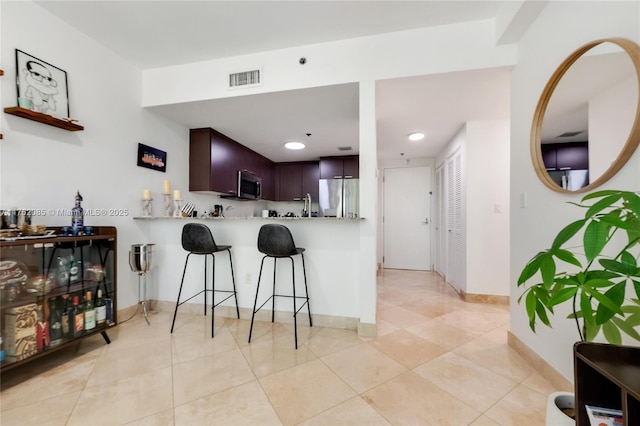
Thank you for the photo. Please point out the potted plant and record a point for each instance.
(602, 282)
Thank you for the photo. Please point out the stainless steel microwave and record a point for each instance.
(249, 185)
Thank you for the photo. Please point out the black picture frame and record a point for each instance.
(42, 87)
(152, 158)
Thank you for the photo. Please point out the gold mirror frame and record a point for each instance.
(633, 50)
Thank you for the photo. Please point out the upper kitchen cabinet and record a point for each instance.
(296, 179)
(566, 156)
(344, 167)
(214, 161)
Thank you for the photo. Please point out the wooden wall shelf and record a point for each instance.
(43, 118)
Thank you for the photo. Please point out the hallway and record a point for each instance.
(436, 361)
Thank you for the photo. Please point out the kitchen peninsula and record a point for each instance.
(331, 257)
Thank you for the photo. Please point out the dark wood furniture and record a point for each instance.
(38, 255)
(296, 179)
(607, 376)
(214, 161)
(43, 118)
(566, 156)
(340, 167)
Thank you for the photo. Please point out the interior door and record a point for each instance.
(406, 220)
(439, 223)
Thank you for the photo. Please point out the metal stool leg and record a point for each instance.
(233, 281)
(184, 271)
(273, 300)
(306, 290)
(255, 303)
(295, 312)
(213, 290)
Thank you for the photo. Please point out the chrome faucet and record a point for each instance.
(307, 206)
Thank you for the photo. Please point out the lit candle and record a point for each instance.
(166, 188)
(176, 194)
(146, 194)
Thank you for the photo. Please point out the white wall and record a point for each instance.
(560, 28)
(43, 166)
(611, 117)
(487, 207)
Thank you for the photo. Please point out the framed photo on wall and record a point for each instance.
(42, 87)
(152, 158)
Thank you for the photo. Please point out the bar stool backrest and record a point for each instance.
(276, 241)
(197, 238)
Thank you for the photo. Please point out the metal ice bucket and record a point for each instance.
(140, 257)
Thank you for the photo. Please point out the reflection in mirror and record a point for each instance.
(586, 116)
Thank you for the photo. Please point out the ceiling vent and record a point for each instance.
(245, 79)
(345, 148)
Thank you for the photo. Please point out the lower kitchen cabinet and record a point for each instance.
(41, 279)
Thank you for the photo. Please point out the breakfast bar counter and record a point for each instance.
(332, 247)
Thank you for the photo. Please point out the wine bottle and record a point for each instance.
(89, 313)
(55, 322)
(101, 309)
(78, 314)
(66, 317)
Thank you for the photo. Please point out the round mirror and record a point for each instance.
(587, 122)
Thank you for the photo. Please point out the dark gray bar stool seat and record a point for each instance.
(197, 239)
(276, 241)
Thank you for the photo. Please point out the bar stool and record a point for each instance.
(197, 239)
(276, 241)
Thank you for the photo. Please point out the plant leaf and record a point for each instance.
(626, 327)
(600, 274)
(600, 194)
(636, 287)
(611, 333)
(604, 203)
(530, 305)
(566, 233)
(598, 283)
(585, 307)
(620, 267)
(591, 332)
(628, 259)
(567, 256)
(531, 267)
(595, 238)
(542, 313)
(632, 202)
(616, 295)
(548, 270)
(562, 296)
(603, 299)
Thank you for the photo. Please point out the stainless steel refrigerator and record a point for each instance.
(339, 198)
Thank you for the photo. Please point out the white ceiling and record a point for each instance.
(152, 34)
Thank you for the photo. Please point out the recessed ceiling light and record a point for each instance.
(294, 145)
(416, 136)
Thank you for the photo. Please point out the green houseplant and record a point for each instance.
(603, 281)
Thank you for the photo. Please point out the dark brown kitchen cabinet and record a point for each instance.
(296, 179)
(343, 167)
(607, 376)
(566, 156)
(214, 161)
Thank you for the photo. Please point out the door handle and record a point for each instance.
(426, 221)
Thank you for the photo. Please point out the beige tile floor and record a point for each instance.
(436, 361)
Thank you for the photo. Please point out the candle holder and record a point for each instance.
(177, 208)
(146, 207)
(166, 201)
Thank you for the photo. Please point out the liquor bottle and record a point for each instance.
(78, 317)
(55, 321)
(42, 331)
(89, 313)
(77, 214)
(101, 309)
(65, 317)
